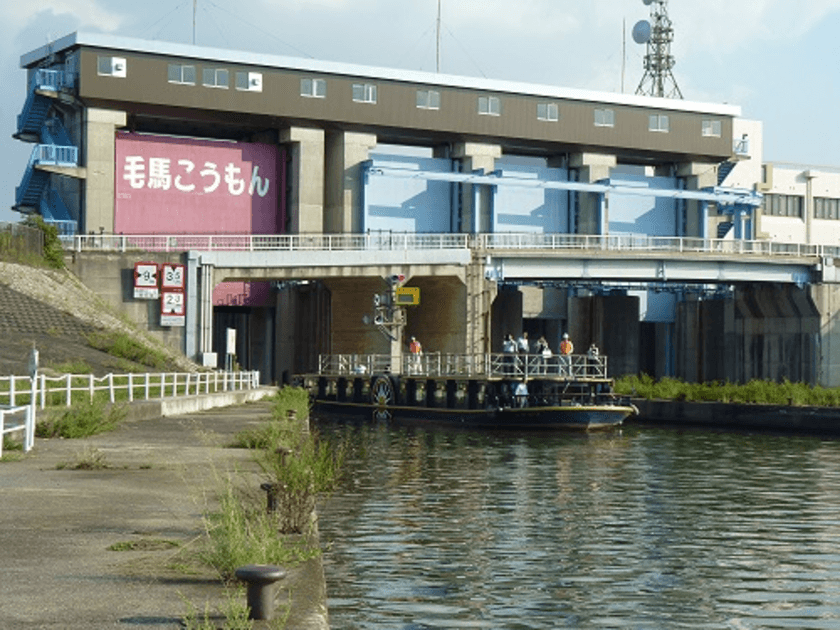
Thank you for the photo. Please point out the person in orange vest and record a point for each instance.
(416, 351)
(566, 350)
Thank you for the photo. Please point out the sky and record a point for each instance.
(776, 59)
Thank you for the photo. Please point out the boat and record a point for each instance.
(491, 391)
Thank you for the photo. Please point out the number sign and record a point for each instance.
(172, 308)
(173, 276)
(146, 281)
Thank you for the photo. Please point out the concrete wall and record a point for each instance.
(612, 323)
(99, 148)
(111, 276)
(408, 205)
(540, 210)
(765, 332)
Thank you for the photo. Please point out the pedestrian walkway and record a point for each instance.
(57, 524)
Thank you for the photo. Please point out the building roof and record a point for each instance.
(112, 42)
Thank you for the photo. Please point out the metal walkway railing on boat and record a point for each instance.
(492, 365)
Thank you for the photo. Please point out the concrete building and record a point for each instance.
(148, 139)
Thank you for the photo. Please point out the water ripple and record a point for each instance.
(646, 528)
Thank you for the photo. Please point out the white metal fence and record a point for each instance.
(63, 390)
(13, 419)
(491, 365)
(391, 241)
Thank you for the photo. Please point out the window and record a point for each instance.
(215, 77)
(659, 122)
(313, 88)
(181, 74)
(489, 106)
(249, 81)
(111, 67)
(604, 118)
(364, 93)
(783, 205)
(826, 208)
(428, 99)
(711, 129)
(548, 111)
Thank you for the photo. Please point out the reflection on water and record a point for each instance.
(642, 528)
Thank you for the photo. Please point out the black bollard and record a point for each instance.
(260, 579)
(271, 496)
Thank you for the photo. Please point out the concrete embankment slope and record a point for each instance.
(160, 474)
(787, 418)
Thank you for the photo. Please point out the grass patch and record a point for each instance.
(124, 346)
(146, 544)
(89, 459)
(82, 420)
(242, 532)
(72, 367)
(753, 392)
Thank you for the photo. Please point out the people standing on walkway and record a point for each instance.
(416, 352)
(544, 352)
(566, 350)
(523, 347)
(593, 359)
(509, 351)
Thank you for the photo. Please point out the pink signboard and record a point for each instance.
(187, 186)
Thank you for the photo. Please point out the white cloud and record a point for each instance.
(88, 13)
(722, 26)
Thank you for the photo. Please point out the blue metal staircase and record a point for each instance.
(39, 123)
(723, 171)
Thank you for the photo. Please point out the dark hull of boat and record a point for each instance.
(565, 417)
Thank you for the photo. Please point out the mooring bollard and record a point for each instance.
(260, 579)
(271, 496)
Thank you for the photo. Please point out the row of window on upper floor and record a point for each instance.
(780, 205)
(185, 74)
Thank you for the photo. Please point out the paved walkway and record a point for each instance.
(56, 525)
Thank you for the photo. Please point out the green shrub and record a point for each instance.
(242, 532)
(124, 346)
(53, 250)
(754, 392)
(82, 420)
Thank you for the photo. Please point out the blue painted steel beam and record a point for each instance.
(716, 194)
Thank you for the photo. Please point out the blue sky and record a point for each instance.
(777, 59)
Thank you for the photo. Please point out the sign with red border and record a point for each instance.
(173, 307)
(146, 281)
(173, 276)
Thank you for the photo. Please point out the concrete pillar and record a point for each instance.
(698, 175)
(480, 295)
(612, 323)
(99, 147)
(476, 204)
(345, 152)
(306, 181)
(506, 316)
(826, 298)
(591, 167)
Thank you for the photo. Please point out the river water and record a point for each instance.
(638, 528)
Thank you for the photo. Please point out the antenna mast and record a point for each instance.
(195, 5)
(658, 34)
(437, 53)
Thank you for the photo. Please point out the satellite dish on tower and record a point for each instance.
(657, 34)
(641, 32)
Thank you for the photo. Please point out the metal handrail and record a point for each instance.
(498, 242)
(491, 365)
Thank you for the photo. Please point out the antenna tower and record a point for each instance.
(658, 34)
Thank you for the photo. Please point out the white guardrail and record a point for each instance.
(491, 365)
(391, 241)
(10, 422)
(17, 392)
